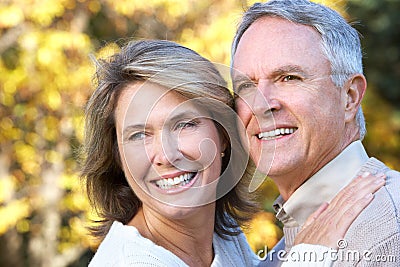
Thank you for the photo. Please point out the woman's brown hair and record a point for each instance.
(178, 68)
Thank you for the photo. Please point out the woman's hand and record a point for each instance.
(330, 222)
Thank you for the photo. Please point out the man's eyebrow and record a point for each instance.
(239, 78)
(288, 69)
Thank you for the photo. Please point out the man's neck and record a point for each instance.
(291, 180)
(323, 185)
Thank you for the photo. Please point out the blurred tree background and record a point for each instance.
(45, 79)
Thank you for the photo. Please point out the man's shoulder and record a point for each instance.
(376, 231)
(380, 220)
(391, 190)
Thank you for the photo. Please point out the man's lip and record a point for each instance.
(274, 127)
(278, 132)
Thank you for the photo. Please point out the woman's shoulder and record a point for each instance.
(125, 246)
(114, 244)
(231, 250)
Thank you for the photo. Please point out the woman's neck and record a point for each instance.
(189, 238)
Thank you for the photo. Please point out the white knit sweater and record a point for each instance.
(124, 246)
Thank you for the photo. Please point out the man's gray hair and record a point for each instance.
(340, 41)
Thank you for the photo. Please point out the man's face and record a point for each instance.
(292, 111)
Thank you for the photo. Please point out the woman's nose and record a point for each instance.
(165, 150)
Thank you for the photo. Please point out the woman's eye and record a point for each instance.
(245, 86)
(137, 136)
(288, 78)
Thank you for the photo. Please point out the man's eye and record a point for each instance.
(185, 125)
(288, 78)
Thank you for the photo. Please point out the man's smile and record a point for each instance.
(272, 134)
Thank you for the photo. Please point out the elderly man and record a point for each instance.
(297, 71)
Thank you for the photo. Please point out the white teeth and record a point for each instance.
(277, 132)
(174, 182)
(183, 177)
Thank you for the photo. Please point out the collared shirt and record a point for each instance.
(321, 187)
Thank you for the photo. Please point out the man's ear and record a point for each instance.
(355, 90)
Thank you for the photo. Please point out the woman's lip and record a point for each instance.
(171, 175)
(177, 189)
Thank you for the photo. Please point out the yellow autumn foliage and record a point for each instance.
(45, 81)
(262, 231)
(14, 212)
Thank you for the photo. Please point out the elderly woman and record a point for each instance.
(163, 165)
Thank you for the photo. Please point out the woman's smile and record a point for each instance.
(175, 183)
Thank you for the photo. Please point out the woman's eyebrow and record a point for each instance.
(175, 117)
(133, 127)
(238, 79)
(185, 115)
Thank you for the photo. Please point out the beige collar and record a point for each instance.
(322, 186)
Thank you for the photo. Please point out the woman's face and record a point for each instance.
(170, 149)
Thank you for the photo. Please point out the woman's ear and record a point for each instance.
(223, 146)
(355, 90)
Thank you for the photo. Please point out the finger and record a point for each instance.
(352, 200)
(349, 196)
(328, 226)
(368, 179)
(316, 214)
(358, 188)
(351, 213)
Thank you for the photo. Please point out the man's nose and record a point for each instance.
(265, 100)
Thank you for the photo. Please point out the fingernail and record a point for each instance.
(365, 174)
(369, 196)
(380, 180)
(381, 174)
